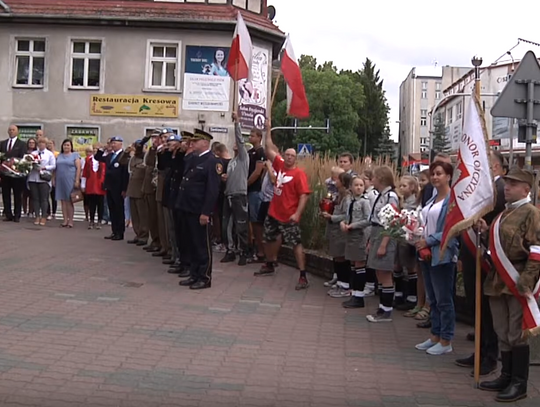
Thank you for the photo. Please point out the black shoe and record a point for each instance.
(117, 238)
(265, 270)
(354, 302)
(16, 220)
(159, 254)
(424, 324)
(10, 219)
(186, 283)
(184, 273)
(398, 301)
(153, 249)
(141, 243)
(517, 389)
(228, 258)
(174, 270)
(110, 237)
(406, 306)
(470, 337)
(168, 262)
(200, 285)
(485, 369)
(503, 381)
(465, 362)
(242, 261)
(133, 241)
(167, 257)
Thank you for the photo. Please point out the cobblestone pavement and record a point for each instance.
(84, 321)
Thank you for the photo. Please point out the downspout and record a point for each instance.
(6, 8)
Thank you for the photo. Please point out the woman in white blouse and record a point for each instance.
(39, 181)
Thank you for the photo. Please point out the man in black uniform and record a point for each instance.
(13, 147)
(196, 200)
(116, 182)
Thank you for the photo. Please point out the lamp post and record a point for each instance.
(477, 62)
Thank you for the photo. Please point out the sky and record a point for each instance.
(398, 35)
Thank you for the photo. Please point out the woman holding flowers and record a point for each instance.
(439, 269)
(382, 249)
(39, 180)
(336, 239)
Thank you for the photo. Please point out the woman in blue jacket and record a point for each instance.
(439, 271)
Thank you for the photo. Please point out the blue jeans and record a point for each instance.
(440, 288)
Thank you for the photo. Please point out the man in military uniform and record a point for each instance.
(197, 198)
(116, 183)
(514, 246)
(139, 216)
(162, 170)
(149, 192)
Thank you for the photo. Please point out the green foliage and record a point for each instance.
(386, 147)
(440, 141)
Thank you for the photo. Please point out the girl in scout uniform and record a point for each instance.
(354, 228)
(382, 249)
(371, 193)
(336, 239)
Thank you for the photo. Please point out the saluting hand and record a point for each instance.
(203, 220)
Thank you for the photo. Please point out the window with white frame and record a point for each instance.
(85, 64)
(437, 95)
(162, 66)
(459, 110)
(424, 94)
(449, 116)
(424, 85)
(30, 62)
(438, 86)
(423, 117)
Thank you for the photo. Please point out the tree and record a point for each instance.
(440, 141)
(373, 113)
(386, 147)
(331, 95)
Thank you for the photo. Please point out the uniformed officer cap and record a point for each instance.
(117, 138)
(174, 137)
(167, 130)
(186, 135)
(156, 133)
(199, 134)
(517, 174)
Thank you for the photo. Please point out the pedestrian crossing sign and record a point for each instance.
(305, 149)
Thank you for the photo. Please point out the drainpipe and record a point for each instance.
(6, 8)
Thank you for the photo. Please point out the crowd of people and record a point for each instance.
(188, 197)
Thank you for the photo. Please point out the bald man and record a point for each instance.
(12, 148)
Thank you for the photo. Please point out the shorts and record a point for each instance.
(290, 232)
(263, 211)
(254, 201)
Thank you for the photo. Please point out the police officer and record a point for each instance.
(197, 198)
(116, 183)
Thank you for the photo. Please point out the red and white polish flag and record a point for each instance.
(297, 103)
(241, 53)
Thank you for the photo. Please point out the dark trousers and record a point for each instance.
(39, 193)
(489, 349)
(95, 203)
(235, 210)
(198, 238)
(151, 210)
(182, 237)
(53, 202)
(17, 186)
(116, 212)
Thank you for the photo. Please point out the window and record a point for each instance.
(424, 141)
(423, 112)
(85, 64)
(30, 62)
(438, 86)
(163, 63)
(437, 95)
(459, 110)
(424, 85)
(424, 94)
(449, 118)
(423, 121)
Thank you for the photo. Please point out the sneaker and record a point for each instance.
(354, 302)
(302, 284)
(331, 282)
(242, 261)
(439, 349)
(49, 217)
(369, 292)
(228, 258)
(265, 270)
(333, 289)
(380, 316)
(426, 345)
(340, 293)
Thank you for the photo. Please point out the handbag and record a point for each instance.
(45, 176)
(76, 196)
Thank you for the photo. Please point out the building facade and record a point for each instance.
(419, 92)
(95, 68)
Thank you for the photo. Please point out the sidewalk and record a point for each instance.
(84, 321)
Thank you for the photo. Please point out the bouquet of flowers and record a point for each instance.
(20, 167)
(327, 204)
(404, 225)
(2, 157)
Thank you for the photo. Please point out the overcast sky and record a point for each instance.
(399, 35)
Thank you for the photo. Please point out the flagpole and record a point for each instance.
(235, 88)
(275, 91)
(478, 286)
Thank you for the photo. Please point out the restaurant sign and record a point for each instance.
(134, 106)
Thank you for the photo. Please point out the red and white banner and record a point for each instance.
(240, 55)
(297, 103)
(472, 193)
(510, 277)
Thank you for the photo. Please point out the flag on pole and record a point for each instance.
(297, 103)
(472, 195)
(240, 55)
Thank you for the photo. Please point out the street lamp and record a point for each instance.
(477, 62)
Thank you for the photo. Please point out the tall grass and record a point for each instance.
(318, 169)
